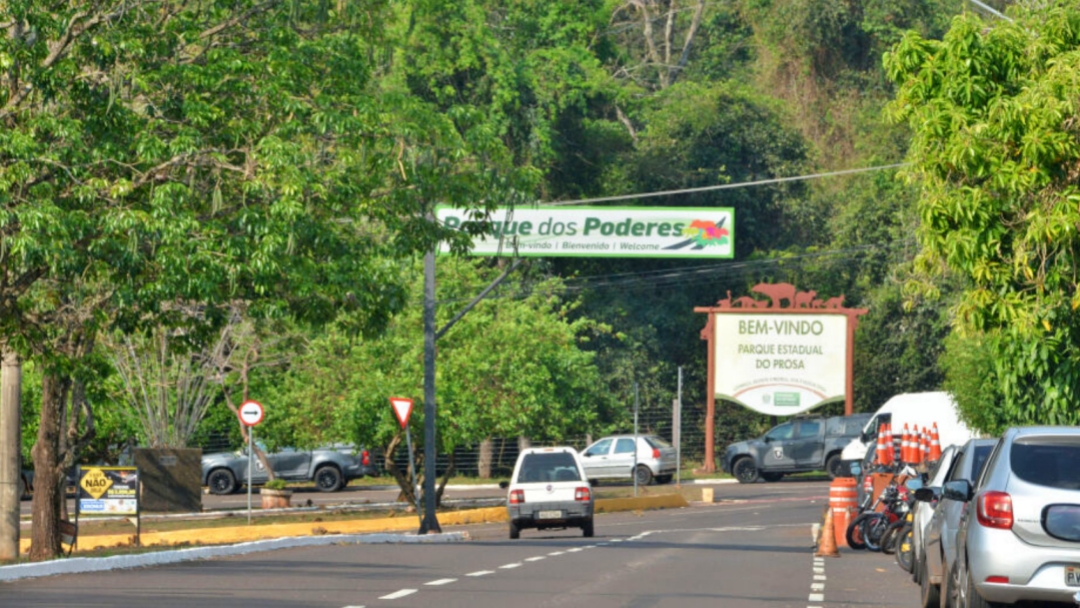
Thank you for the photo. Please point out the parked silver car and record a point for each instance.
(331, 468)
(1019, 539)
(924, 510)
(613, 458)
(939, 553)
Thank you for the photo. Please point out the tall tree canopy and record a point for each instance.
(994, 113)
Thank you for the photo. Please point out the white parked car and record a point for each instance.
(549, 490)
(613, 458)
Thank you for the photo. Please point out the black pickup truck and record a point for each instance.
(796, 446)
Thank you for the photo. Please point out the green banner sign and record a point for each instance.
(630, 232)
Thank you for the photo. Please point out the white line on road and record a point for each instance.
(819, 577)
(575, 549)
(395, 595)
(817, 586)
(817, 597)
(535, 559)
(481, 573)
(441, 581)
(517, 565)
(554, 553)
(589, 547)
(819, 570)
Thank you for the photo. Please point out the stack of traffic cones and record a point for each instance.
(905, 445)
(935, 444)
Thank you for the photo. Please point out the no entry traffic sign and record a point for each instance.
(251, 413)
(402, 409)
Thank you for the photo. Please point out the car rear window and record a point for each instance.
(1049, 462)
(548, 467)
(656, 442)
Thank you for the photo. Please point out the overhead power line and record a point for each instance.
(761, 182)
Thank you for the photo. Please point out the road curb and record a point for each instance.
(78, 565)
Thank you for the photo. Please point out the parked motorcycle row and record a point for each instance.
(990, 523)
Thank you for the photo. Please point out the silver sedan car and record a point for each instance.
(613, 458)
(1019, 539)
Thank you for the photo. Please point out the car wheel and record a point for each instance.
(948, 589)
(772, 476)
(972, 599)
(221, 481)
(643, 475)
(515, 531)
(834, 466)
(587, 529)
(328, 479)
(663, 479)
(745, 470)
(929, 593)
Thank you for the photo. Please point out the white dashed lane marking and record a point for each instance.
(481, 573)
(511, 566)
(817, 597)
(441, 581)
(397, 594)
(535, 559)
(554, 553)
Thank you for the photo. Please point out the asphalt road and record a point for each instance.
(752, 549)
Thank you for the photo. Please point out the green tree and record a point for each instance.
(206, 152)
(993, 111)
(513, 366)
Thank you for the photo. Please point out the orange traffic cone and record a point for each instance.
(890, 443)
(925, 445)
(886, 446)
(827, 540)
(935, 444)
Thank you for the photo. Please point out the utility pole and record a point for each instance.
(430, 523)
(10, 447)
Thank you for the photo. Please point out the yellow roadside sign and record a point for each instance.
(95, 483)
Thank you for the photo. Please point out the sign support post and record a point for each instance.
(251, 413)
(636, 400)
(403, 410)
(676, 432)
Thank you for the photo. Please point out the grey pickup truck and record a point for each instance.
(796, 446)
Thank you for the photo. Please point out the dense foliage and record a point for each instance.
(993, 112)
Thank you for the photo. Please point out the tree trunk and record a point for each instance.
(10, 448)
(446, 477)
(48, 479)
(487, 453)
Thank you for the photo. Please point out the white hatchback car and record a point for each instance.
(549, 490)
(613, 458)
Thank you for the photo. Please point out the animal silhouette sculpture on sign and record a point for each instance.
(781, 296)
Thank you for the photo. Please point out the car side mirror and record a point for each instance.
(504, 484)
(767, 439)
(960, 490)
(925, 495)
(587, 455)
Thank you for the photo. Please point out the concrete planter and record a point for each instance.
(275, 499)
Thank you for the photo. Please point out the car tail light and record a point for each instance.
(995, 510)
(582, 494)
(656, 453)
(1000, 580)
(517, 497)
(365, 458)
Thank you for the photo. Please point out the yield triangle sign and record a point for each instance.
(402, 409)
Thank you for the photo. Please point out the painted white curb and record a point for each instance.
(711, 482)
(79, 565)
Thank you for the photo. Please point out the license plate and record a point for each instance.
(1072, 576)
(549, 515)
